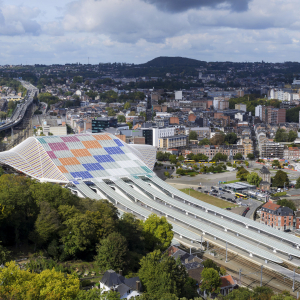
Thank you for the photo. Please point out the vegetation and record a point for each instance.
(280, 179)
(208, 199)
(287, 203)
(253, 178)
(193, 135)
(220, 156)
(283, 136)
(250, 156)
(203, 142)
(238, 156)
(242, 173)
(297, 186)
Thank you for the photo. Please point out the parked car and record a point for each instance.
(229, 199)
(228, 208)
(223, 198)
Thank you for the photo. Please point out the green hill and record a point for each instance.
(165, 61)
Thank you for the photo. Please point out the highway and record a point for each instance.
(20, 110)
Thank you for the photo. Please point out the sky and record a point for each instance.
(136, 31)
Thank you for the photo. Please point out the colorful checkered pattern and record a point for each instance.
(79, 157)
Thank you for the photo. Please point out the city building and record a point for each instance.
(276, 216)
(100, 124)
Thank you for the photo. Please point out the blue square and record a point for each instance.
(119, 143)
(93, 167)
(103, 158)
(83, 175)
(113, 150)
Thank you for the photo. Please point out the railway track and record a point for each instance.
(268, 275)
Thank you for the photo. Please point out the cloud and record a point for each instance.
(176, 6)
(19, 20)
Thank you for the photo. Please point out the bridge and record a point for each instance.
(20, 110)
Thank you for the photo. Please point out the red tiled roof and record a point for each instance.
(227, 281)
(271, 205)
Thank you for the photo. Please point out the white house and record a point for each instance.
(127, 287)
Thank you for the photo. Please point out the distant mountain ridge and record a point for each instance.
(166, 61)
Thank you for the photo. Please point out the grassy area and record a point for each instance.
(232, 181)
(208, 199)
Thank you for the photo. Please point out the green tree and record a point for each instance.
(47, 223)
(167, 174)
(23, 284)
(292, 135)
(112, 252)
(279, 180)
(162, 274)
(208, 263)
(242, 174)
(211, 281)
(132, 113)
(297, 186)
(287, 203)
(218, 139)
(219, 156)
(250, 156)
(157, 232)
(180, 158)
(173, 159)
(127, 105)
(203, 142)
(253, 179)
(129, 124)
(231, 138)
(262, 292)
(193, 135)
(238, 156)
(77, 79)
(200, 156)
(275, 163)
(241, 293)
(4, 255)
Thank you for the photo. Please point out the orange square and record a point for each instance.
(102, 137)
(91, 144)
(63, 169)
(69, 161)
(81, 152)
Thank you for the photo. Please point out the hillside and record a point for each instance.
(165, 61)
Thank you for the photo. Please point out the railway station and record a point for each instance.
(101, 166)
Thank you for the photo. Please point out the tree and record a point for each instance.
(262, 292)
(193, 135)
(157, 232)
(275, 163)
(127, 105)
(77, 79)
(49, 284)
(211, 281)
(231, 138)
(4, 254)
(208, 263)
(287, 203)
(132, 113)
(239, 294)
(242, 174)
(112, 252)
(162, 274)
(121, 119)
(129, 124)
(253, 179)
(218, 139)
(200, 156)
(167, 174)
(132, 229)
(297, 186)
(219, 156)
(292, 136)
(238, 156)
(250, 156)
(205, 141)
(280, 179)
(47, 222)
(180, 158)
(173, 159)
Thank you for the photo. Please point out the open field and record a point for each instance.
(208, 199)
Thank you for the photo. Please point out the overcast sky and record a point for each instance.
(135, 31)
